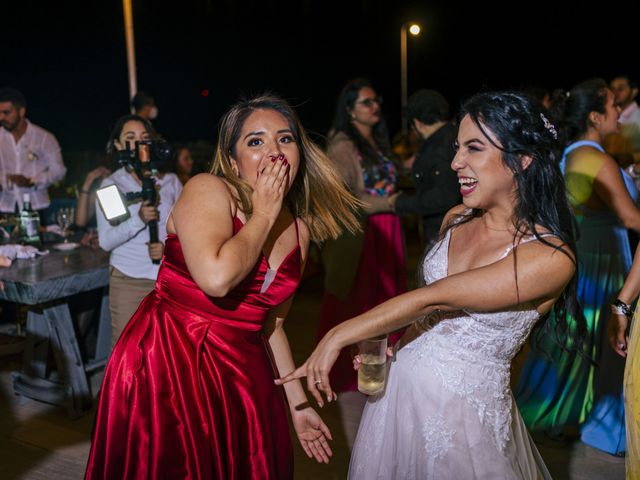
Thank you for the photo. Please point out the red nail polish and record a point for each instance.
(273, 159)
(281, 157)
(285, 163)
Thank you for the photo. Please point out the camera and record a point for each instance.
(147, 159)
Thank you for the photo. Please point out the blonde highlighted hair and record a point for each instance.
(318, 195)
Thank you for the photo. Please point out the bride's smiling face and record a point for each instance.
(485, 180)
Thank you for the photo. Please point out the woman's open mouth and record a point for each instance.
(467, 185)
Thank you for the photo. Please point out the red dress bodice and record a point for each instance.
(246, 306)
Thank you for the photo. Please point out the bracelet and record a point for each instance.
(621, 308)
(86, 192)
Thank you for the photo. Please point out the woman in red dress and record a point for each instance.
(189, 390)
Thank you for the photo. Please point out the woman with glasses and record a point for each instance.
(361, 270)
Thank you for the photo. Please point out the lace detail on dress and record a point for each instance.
(480, 382)
(447, 410)
(471, 352)
(372, 440)
(437, 436)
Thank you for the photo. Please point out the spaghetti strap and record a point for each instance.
(526, 240)
(575, 145)
(295, 221)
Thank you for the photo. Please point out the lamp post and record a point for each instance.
(131, 52)
(414, 29)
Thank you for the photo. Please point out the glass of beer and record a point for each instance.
(372, 371)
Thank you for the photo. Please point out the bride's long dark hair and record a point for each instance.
(522, 127)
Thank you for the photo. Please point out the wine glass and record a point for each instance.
(64, 219)
(6, 228)
(9, 223)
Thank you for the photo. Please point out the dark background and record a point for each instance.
(69, 58)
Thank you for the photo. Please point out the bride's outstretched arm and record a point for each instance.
(542, 274)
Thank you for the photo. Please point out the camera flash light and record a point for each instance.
(111, 203)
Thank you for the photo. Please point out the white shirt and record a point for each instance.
(629, 114)
(127, 241)
(629, 120)
(36, 156)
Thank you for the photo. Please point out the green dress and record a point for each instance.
(557, 388)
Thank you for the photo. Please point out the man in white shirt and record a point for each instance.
(625, 92)
(625, 145)
(30, 158)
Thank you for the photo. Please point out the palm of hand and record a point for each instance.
(307, 425)
(312, 434)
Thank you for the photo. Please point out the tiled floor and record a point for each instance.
(38, 441)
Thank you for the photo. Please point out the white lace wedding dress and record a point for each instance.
(447, 411)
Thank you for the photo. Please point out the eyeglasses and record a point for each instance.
(368, 102)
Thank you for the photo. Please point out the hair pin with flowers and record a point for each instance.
(549, 126)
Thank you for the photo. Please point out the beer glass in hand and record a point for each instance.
(372, 370)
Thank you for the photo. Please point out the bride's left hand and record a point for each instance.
(313, 434)
(317, 368)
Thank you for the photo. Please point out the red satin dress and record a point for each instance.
(188, 391)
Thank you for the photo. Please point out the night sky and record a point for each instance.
(69, 59)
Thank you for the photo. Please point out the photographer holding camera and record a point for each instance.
(134, 260)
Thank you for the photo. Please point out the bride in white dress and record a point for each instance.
(505, 257)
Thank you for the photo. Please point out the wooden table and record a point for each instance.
(45, 284)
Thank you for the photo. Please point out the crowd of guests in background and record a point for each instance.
(363, 269)
(31, 162)
(562, 391)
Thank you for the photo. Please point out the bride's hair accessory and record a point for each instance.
(549, 126)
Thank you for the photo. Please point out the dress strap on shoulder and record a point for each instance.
(525, 240)
(583, 143)
(570, 148)
(459, 217)
(295, 221)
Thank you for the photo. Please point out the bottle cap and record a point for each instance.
(26, 198)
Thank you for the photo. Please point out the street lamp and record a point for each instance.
(414, 29)
(131, 51)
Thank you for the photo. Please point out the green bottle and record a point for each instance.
(29, 223)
